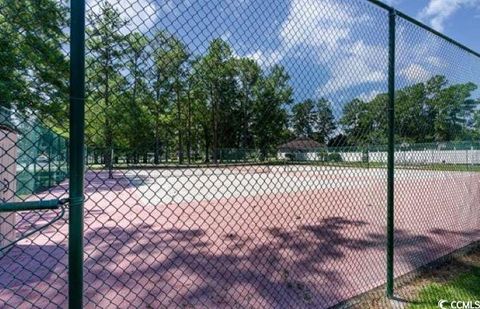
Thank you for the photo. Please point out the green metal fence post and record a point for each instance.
(50, 164)
(76, 162)
(391, 152)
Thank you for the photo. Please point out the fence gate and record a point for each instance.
(228, 154)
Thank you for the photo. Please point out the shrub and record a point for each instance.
(334, 157)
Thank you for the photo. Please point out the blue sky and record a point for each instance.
(459, 19)
(337, 49)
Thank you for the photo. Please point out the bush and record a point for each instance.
(334, 157)
(365, 156)
(290, 156)
(322, 156)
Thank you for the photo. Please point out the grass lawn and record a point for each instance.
(455, 280)
(465, 287)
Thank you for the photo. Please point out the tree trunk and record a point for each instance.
(137, 125)
(207, 144)
(215, 128)
(156, 152)
(179, 119)
(189, 128)
(108, 129)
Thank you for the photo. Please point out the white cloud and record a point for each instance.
(326, 28)
(360, 65)
(327, 31)
(266, 58)
(391, 2)
(369, 96)
(319, 23)
(141, 15)
(435, 61)
(420, 59)
(415, 73)
(438, 11)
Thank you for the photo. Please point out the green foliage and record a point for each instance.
(270, 117)
(147, 94)
(217, 69)
(303, 118)
(324, 121)
(33, 66)
(424, 112)
(334, 157)
(107, 48)
(249, 74)
(313, 119)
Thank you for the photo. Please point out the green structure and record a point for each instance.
(41, 160)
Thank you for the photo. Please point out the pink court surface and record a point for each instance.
(246, 237)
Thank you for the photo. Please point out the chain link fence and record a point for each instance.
(41, 154)
(33, 153)
(437, 209)
(237, 152)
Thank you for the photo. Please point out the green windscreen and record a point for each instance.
(41, 153)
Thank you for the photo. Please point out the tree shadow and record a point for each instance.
(310, 266)
(29, 263)
(99, 181)
(300, 266)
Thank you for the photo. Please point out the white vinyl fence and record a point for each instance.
(428, 156)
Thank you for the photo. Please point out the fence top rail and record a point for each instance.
(424, 26)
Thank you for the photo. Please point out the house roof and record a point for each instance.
(301, 143)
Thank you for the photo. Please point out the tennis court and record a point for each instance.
(247, 236)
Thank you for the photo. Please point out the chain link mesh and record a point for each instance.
(236, 152)
(33, 152)
(437, 183)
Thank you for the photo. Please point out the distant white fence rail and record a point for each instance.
(430, 156)
(426, 156)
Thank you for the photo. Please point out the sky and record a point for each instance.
(335, 49)
(459, 19)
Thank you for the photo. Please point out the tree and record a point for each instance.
(452, 106)
(160, 78)
(313, 119)
(217, 71)
(434, 111)
(106, 47)
(135, 122)
(249, 73)
(303, 118)
(199, 113)
(273, 94)
(324, 121)
(178, 62)
(353, 121)
(424, 112)
(413, 121)
(170, 68)
(475, 124)
(34, 70)
(365, 123)
(339, 140)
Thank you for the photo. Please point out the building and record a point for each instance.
(301, 149)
